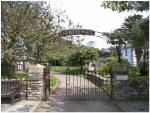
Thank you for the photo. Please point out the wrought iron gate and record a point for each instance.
(87, 86)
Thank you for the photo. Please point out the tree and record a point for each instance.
(30, 28)
(17, 19)
(121, 6)
(118, 39)
(103, 53)
(84, 56)
(138, 36)
(136, 28)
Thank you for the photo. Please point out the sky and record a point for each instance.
(91, 15)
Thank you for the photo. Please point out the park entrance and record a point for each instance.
(86, 84)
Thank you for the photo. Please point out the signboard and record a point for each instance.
(121, 77)
(33, 77)
(76, 32)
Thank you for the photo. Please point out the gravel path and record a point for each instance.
(58, 103)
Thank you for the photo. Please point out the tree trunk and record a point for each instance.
(119, 55)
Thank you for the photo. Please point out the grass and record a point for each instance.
(58, 69)
(53, 81)
(20, 75)
(76, 70)
(108, 88)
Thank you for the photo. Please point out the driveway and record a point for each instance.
(58, 103)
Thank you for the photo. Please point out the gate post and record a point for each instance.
(46, 77)
(35, 82)
(120, 81)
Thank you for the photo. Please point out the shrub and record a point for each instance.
(133, 71)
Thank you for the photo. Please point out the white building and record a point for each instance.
(128, 53)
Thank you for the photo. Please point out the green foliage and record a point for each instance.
(121, 6)
(118, 39)
(104, 54)
(53, 81)
(58, 69)
(73, 70)
(106, 67)
(107, 87)
(135, 30)
(22, 76)
(138, 36)
(31, 28)
(133, 70)
(84, 55)
(25, 75)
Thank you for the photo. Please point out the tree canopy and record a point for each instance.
(121, 6)
(135, 30)
(84, 55)
(30, 29)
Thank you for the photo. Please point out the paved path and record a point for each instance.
(20, 106)
(58, 103)
(134, 106)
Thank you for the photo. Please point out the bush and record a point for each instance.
(106, 67)
(133, 71)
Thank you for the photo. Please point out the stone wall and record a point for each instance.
(35, 82)
(139, 88)
(97, 80)
(35, 90)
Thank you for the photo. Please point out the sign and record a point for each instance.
(121, 77)
(76, 32)
(33, 77)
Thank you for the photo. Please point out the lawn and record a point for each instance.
(73, 70)
(22, 76)
(25, 75)
(53, 81)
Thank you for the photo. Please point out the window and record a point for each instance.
(19, 67)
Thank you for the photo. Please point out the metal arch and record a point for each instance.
(71, 32)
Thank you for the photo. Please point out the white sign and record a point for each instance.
(121, 77)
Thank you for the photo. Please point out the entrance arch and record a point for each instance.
(88, 85)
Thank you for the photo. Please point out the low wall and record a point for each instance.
(97, 80)
(139, 89)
